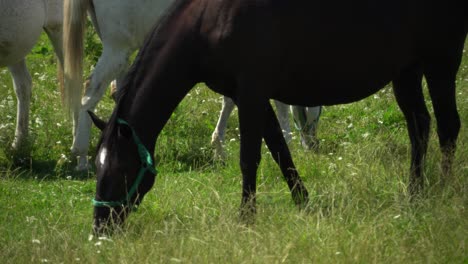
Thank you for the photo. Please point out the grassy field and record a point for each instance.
(359, 211)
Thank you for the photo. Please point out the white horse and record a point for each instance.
(305, 119)
(122, 26)
(21, 24)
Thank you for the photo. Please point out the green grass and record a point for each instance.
(359, 211)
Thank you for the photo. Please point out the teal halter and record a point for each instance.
(146, 165)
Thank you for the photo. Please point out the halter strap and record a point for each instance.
(147, 165)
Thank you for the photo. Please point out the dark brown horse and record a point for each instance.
(303, 52)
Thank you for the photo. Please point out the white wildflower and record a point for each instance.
(39, 121)
(104, 238)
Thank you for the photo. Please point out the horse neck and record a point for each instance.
(162, 78)
(163, 72)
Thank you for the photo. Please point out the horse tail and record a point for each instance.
(74, 22)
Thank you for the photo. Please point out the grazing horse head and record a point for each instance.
(291, 51)
(119, 193)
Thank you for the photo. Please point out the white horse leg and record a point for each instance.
(217, 138)
(54, 27)
(54, 32)
(113, 90)
(282, 112)
(110, 64)
(22, 83)
(116, 84)
(306, 120)
(55, 37)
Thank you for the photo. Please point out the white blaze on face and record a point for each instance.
(102, 156)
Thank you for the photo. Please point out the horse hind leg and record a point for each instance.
(282, 112)
(306, 121)
(54, 32)
(217, 138)
(441, 84)
(22, 84)
(110, 64)
(408, 92)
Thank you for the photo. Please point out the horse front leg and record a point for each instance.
(22, 83)
(279, 150)
(408, 92)
(251, 120)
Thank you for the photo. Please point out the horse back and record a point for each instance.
(348, 47)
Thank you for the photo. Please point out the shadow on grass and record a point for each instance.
(29, 168)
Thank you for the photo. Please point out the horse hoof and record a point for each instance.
(82, 165)
(218, 150)
(310, 143)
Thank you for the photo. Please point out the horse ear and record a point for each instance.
(99, 123)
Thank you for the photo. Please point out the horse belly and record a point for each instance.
(340, 72)
(342, 61)
(315, 92)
